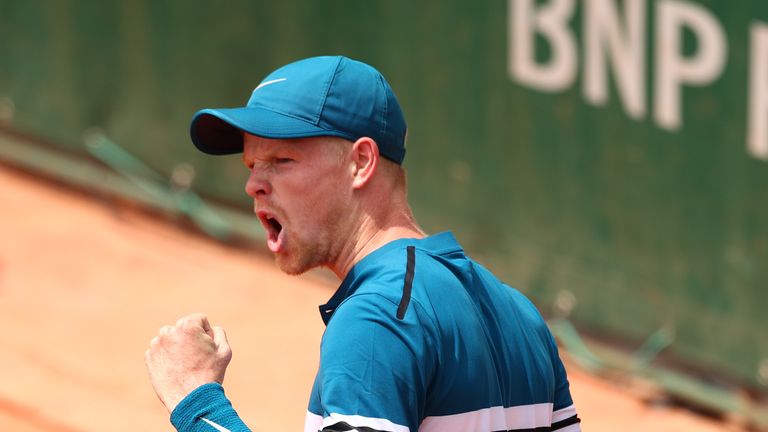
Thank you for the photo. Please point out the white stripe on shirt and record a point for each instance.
(491, 419)
(371, 422)
(313, 422)
(487, 419)
(564, 413)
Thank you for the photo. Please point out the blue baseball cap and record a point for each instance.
(318, 96)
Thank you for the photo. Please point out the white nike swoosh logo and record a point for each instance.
(218, 427)
(266, 83)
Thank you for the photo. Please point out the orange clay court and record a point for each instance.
(85, 284)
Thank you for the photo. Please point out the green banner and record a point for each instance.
(612, 152)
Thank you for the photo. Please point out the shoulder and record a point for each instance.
(404, 279)
(387, 297)
(409, 264)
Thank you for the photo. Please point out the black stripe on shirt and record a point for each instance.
(409, 268)
(566, 422)
(555, 426)
(344, 427)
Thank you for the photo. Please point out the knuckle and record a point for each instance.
(189, 330)
(153, 343)
(190, 319)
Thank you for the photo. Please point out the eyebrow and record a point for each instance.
(249, 159)
(271, 151)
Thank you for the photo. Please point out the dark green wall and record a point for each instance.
(645, 226)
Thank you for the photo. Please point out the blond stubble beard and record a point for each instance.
(321, 250)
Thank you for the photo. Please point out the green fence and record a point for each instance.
(612, 152)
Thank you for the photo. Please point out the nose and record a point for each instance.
(257, 185)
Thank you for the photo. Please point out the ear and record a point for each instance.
(365, 156)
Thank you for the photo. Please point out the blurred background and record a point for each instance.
(609, 158)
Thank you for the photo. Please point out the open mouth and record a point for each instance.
(274, 225)
(274, 229)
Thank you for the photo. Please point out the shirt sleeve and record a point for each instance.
(564, 417)
(374, 367)
(207, 409)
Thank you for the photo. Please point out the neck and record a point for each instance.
(369, 236)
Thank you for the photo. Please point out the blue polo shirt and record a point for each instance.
(420, 337)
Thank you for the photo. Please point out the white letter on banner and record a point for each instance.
(672, 69)
(757, 92)
(603, 37)
(551, 22)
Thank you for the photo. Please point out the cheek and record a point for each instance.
(324, 206)
(316, 197)
(302, 206)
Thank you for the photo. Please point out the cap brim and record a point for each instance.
(220, 131)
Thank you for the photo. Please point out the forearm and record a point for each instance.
(207, 409)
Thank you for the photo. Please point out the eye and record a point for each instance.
(282, 160)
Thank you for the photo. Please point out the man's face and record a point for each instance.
(300, 190)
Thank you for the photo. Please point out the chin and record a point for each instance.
(291, 266)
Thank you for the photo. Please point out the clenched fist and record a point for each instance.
(185, 356)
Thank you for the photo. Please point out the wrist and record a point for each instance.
(203, 401)
(172, 399)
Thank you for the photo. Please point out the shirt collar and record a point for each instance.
(440, 243)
